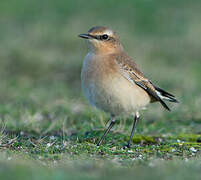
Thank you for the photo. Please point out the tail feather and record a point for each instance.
(165, 95)
(163, 92)
(164, 105)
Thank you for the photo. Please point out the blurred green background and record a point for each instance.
(41, 58)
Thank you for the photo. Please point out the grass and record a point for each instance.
(49, 131)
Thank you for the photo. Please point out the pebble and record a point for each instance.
(193, 149)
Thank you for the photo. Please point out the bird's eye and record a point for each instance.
(104, 37)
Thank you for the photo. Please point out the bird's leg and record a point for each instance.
(133, 129)
(112, 122)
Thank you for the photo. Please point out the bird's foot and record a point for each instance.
(128, 146)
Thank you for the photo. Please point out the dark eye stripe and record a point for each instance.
(98, 37)
(101, 37)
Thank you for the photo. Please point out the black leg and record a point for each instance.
(133, 129)
(112, 122)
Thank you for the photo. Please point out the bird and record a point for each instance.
(112, 81)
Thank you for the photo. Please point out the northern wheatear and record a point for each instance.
(112, 81)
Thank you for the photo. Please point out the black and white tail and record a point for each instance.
(165, 96)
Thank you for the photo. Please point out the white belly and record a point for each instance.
(114, 94)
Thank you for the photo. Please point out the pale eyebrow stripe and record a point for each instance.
(108, 32)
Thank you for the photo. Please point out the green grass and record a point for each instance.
(49, 131)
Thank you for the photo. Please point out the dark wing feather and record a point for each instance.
(166, 95)
(163, 92)
(153, 93)
(132, 73)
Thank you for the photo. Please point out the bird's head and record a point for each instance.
(103, 40)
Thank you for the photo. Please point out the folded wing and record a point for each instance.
(132, 73)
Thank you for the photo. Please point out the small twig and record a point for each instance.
(9, 143)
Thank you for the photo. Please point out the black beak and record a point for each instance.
(86, 36)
